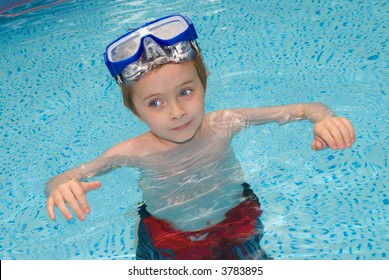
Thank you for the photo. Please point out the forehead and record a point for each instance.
(166, 78)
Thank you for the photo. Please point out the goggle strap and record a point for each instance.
(195, 46)
(118, 80)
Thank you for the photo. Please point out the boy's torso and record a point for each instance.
(194, 185)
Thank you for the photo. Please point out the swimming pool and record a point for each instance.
(59, 108)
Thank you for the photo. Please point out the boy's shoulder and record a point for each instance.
(133, 147)
(228, 118)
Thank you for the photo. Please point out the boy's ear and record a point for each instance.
(207, 73)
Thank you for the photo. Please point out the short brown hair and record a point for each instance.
(127, 91)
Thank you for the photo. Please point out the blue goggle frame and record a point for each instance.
(146, 30)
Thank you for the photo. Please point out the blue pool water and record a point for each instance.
(59, 108)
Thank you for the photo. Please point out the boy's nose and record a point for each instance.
(177, 111)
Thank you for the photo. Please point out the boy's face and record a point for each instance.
(170, 101)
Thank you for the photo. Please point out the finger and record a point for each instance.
(339, 133)
(71, 200)
(50, 208)
(78, 191)
(73, 204)
(85, 187)
(350, 130)
(60, 203)
(88, 186)
(337, 136)
(325, 135)
(318, 145)
(346, 137)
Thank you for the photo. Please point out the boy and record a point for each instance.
(197, 204)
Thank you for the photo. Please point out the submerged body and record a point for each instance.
(197, 183)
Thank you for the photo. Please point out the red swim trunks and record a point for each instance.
(236, 237)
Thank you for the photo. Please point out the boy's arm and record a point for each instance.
(286, 113)
(329, 130)
(85, 170)
(66, 189)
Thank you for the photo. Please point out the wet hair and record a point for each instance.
(198, 62)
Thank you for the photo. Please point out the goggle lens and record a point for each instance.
(168, 30)
(125, 49)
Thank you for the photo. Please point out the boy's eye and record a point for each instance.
(155, 103)
(185, 92)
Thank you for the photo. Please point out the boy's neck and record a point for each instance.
(164, 145)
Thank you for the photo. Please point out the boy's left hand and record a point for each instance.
(333, 132)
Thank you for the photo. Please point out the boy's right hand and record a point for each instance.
(71, 193)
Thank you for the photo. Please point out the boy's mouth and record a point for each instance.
(182, 126)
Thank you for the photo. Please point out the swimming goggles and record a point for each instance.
(168, 39)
